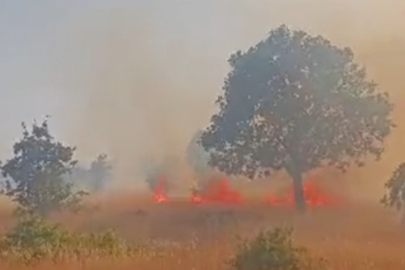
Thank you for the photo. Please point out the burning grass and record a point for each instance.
(219, 190)
(314, 196)
(182, 235)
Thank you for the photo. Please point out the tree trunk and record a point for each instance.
(300, 203)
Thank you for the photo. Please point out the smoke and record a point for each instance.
(145, 90)
(144, 76)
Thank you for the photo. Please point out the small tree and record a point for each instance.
(35, 174)
(395, 186)
(99, 173)
(296, 102)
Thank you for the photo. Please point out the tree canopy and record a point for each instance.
(296, 102)
(34, 176)
(395, 196)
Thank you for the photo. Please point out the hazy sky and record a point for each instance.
(137, 78)
(44, 45)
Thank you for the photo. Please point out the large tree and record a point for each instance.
(296, 102)
(35, 175)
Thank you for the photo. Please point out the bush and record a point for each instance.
(33, 240)
(273, 250)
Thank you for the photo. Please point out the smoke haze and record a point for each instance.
(138, 79)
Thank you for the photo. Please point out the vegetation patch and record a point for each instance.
(33, 240)
(274, 250)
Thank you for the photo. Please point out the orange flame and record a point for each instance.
(217, 190)
(159, 191)
(313, 196)
(196, 198)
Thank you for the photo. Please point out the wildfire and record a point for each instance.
(217, 190)
(196, 197)
(159, 191)
(313, 196)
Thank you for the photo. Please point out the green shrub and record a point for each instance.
(273, 250)
(33, 240)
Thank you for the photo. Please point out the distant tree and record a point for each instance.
(34, 176)
(99, 172)
(196, 156)
(296, 102)
(395, 186)
(79, 177)
(93, 178)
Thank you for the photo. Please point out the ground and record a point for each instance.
(201, 237)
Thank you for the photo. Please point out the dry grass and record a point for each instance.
(203, 237)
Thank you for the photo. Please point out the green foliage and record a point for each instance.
(33, 240)
(296, 102)
(395, 186)
(274, 250)
(35, 175)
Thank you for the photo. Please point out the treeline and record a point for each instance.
(93, 178)
(293, 102)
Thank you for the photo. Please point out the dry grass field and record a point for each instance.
(201, 237)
